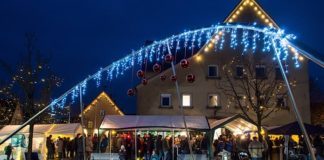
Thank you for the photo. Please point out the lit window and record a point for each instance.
(186, 100)
(260, 71)
(213, 100)
(90, 124)
(165, 100)
(212, 71)
(239, 71)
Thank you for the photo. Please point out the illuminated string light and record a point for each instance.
(214, 37)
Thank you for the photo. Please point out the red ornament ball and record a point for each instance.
(131, 92)
(168, 58)
(163, 78)
(184, 63)
(156, 68)
(190, 78)
(173, 78)
(140, 74)
(144, 81)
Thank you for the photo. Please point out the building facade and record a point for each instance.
(213, 69)
(94, 113)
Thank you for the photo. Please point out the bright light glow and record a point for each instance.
(210, 45)
(256, 8)
(301, 58)
(198, 58)
(186, 100)
(241, 8)
(259, 12)
(266, 20)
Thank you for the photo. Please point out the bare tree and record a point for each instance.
(31, 84)
(253, 84)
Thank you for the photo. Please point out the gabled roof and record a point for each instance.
(105, 96)
(249, 11)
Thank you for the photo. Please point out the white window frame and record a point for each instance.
(217, 71)
(182, 100)
(218, 100)
(164, 95)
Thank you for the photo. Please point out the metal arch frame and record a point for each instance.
(275, 35)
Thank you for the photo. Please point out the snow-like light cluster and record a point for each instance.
(250, 38)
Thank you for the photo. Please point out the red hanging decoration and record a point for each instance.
(184, 63)
(190, 78)
(173, 78)
(163, 77)
(144, 81)
(131, 92)
(168, 58)
(140, 74)
(156, 68)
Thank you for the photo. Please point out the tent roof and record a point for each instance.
(42, 129)
(293, 128)
(236, 123)
(153, 121)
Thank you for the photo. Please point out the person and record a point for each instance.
(8, 151)
(88, 146)
(256, 149)
(165, 147)
(50, 151)
(270, 145)
(318, 145)
(154, 156)
(159, 146)
(60, 147)
(103, 144)
(122, 153)
(79, 150)
(95, 142)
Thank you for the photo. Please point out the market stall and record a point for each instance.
(41, 131)
(137, 132)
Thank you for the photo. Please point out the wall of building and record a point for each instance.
(148, 97)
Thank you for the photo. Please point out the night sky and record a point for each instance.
(82, 36)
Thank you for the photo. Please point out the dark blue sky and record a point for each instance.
(83, 36)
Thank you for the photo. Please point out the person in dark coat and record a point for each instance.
(95, 141)
(49, 147)
(79, 150)
(8, 151)
(103, 144)
(159, 146)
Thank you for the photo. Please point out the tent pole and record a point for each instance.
(172, 147)
(110, 144)
(294, 105)
(82, 123)
(181, 107)
(135, 136)
(307, 55)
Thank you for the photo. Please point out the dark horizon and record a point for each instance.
(83, 36)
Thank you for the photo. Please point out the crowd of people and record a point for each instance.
(157, 147)
(244, 147)
(148, 146)
(66, 148)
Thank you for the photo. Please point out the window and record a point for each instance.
(278, 74)
(213, 100)
(281, 101)
(90, 124)
(212, 71)
(165, 100)
(239, 71)
(186, 100)
(260, 71)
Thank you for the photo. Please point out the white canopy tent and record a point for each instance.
(237, 124)
(154, 121)
(41, 131)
